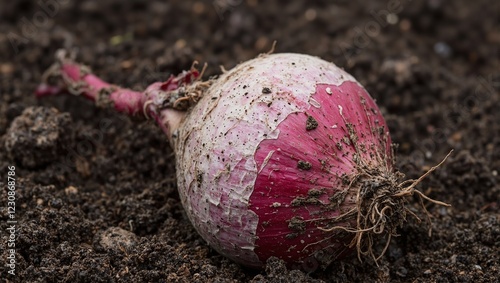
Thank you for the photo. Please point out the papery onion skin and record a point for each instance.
(240, 148)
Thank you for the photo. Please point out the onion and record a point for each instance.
(285, 155)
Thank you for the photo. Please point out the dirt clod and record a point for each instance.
(304, 165)
(38, 135)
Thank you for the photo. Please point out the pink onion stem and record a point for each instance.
(78, 81)
(159, 101)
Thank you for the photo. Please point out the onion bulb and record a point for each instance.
(284, 155)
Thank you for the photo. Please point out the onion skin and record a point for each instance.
(285, 155)
(238, 153)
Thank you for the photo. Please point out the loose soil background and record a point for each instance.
(87, 176)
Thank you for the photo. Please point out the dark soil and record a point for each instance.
(96, 197)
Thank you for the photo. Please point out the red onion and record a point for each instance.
(285, 155)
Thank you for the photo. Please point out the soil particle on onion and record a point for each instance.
(315, 192)
(103, 100)
(339, 145)
(304, 165)
(346, 140)
(297, 224)
(300, 201)
(311, 123)
(199, 179)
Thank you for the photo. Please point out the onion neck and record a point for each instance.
(170, 120)
(169, 107)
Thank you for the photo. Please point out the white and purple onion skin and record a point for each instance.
(263, 153)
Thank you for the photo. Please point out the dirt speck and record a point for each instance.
(311, 123)
(304, 165)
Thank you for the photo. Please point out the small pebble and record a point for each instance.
(428, 154)
(71, 190)
(442, 49)
(310, 14)
(453, 259)
(392, 19)
(116, 238)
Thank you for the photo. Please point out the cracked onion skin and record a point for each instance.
(268, 160)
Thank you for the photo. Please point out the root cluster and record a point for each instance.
(381, 207)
